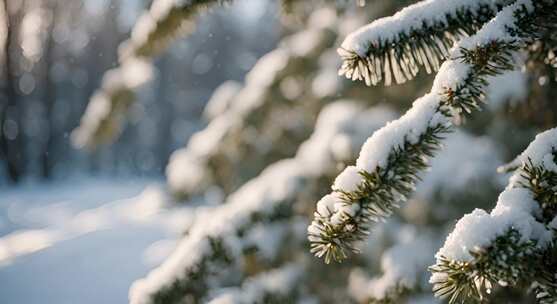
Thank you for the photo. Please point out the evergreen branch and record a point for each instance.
(267, 199)
(165, 285)
(248, 124)
(105, 114)
(390, 161)
(221, 241)
(377, 195)
(545, 288)
(506, 261)
(515, 240)
(196, 285)
(536, 178)
(165, 21)
(420, 35)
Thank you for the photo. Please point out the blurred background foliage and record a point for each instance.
(54, 56)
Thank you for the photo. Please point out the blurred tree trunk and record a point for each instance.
(48, 157)
(12, 144)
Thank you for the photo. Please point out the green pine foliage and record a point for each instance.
(382, 190)
(424, 46)
(507, 261)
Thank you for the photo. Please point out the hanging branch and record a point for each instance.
(217, 245)
(220, 241)
(248, 124)
(156, 29)
(419, 35)
(513, 244)
(165, 21)
(390, 161)
(106, 111)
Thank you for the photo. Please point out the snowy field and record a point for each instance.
(83, 242)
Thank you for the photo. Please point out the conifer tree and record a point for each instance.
(436, 162)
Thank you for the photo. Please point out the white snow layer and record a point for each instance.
(516, 208)
(132, 74)
(50, 235)
(423, 114)
(348, 180)
(221, 100)
(411, 18)
(147, 24)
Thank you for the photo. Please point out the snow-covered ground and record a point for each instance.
(83, 241)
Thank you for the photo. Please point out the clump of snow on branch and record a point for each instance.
(187, 170)
(262, 196)
(157, 27)
(104, 113)
(394, 47)
(410, 18)
(423, 114)
(516, 208)
(221, 100)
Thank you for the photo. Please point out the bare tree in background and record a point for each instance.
(12, 145)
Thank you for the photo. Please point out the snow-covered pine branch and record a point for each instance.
(218, 243)
(250, 123)
(390, 161)
(512, 244)
(155, 30)
(340, 129)
(162, 24)
(165, 21)
(221, 99)
(280, 285)
(404, 265)
(105, 112)
(394, 48)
